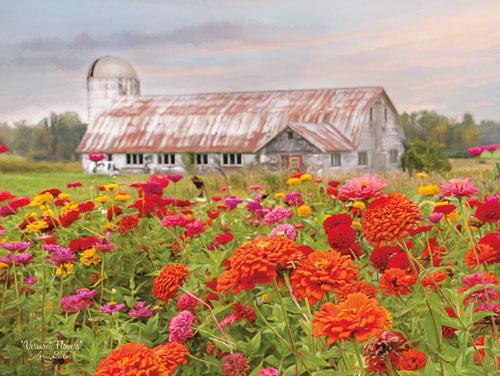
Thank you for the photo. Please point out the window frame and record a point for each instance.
(363, 155)
(395, 153)
(166, 159)
(134, 159)
(232, 159)
(201, 159)
(334, 157)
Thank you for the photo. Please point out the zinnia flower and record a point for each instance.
(487, 251)
(387, 345)
(181, 326)
(343, 291)
(390, 219)
(133, 358)
(412, 360)
(140, 310)
(287, 230)
(16, 246)
(488, 211)
(169, 281)
(112, 307)
(235, 364)
(187, 302)
(461, 187)
(270, 371)
(257, 261)
(396, 282)
(276, 215)
(304, 210)
(322, 272)
(362, 188)
(358, 316)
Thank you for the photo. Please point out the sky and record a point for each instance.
(441, 55)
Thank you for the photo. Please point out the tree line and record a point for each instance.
(56, 136)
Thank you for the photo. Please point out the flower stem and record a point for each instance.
(358, 357)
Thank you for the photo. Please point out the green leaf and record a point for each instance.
(254, 344)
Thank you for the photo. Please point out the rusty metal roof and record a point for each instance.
(331, 119)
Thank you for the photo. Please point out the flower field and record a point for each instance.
(290, 275)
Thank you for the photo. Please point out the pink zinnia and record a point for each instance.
(112, 307)
(256, 187)
(187, 302)
(228, 320)
(459, 187)
(269, 371)
(174, 220)
(181, 327)
(140, 310)
(3, 148)
(435, 217)
(277, 215)
(175, 178)
(362, 188)
(16, 246)
(287, 230)
(194, 228)
(73, 304)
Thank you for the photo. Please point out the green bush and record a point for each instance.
(425, 156)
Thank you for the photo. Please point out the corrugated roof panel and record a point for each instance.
(239, 121)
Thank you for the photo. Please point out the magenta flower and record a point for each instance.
(19, 258)
(229, 319)
(287, 230)
(29, 280)
(294, 199)
(475, 151)
(482, 295)
(59, 255)
(231, 202)
(175, 178)
(270, 371)
(181, 326)
(176, 220)
(103, 245)
(187, 302)
(459, 187)
(140, 310)
(254, 206)
(255, 187)
(276, 215)
(488, 307)
(96, 157)
(194, 228)
(362, 188)
(16, 246)
(73, 303)
(112, 307)
(86, 293)
(435, 217)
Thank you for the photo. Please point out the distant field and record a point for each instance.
(31, 178)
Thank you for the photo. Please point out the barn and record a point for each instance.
(316, 130)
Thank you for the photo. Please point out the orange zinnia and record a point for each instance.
(257, 261)
(363, 287)
(482, 254)
(320, 272)
(358, 316)
(131, 359)
(433, 279)
(169, 281)
(171, 355)
(396, 282)
(390, 219)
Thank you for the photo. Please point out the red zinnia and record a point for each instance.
(396, 282)
(411, 360)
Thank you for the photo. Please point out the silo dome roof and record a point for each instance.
(112, 67)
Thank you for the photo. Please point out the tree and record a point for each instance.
(425, 156)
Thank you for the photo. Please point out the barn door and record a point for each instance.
(294, 162)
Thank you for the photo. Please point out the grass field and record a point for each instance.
(28, 178)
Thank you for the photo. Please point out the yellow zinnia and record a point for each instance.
(101, 199)
(421, 175)
(279, 195)
(64, 270)
(304, 210)
(428, 190)
(88, 257)
(293, 181)
(306, 177)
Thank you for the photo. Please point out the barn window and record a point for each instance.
(201, 159)
(385, 114)
(371, 113)
(393, 155)
(289, 135)
(109, 157)
(336, 160)
(231, 159)
(135, 159)
(362, 158)
(166, 159)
